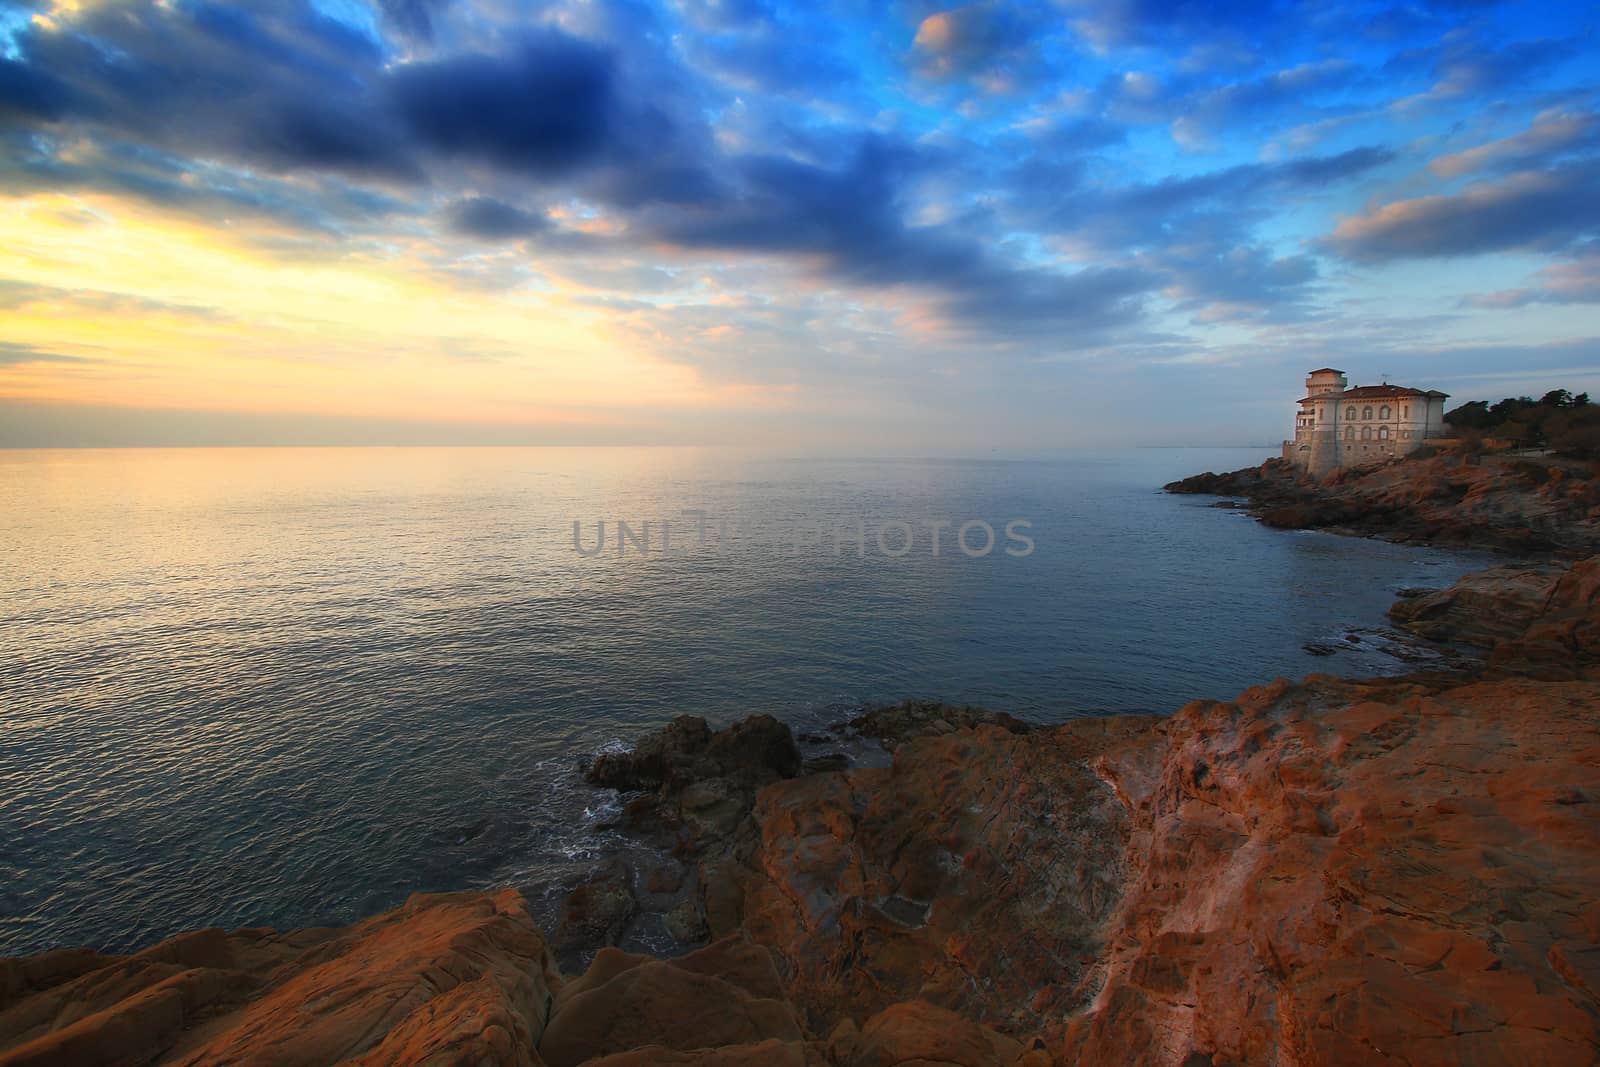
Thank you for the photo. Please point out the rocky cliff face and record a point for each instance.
(1495, 502)
(1318, 872)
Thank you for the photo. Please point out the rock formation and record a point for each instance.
(1493, 502)
(1401, 870)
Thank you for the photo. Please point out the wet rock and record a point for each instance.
(1317, 649)
(826, 764)
(894, 723)
(699, 784)
(597, 912)
(751, 752)
(685, 923)
(664, 878)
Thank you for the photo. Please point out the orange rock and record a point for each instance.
(462, 978)
(917, 1032)
(708, 999)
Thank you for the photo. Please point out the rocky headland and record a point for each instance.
(1402, 870)
(1503, 503)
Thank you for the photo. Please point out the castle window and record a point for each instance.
(1383, 433)
(1366, 433)
(1349, 433)
(1366, 413)
(1350, 413)
(1384, 414)
(1405, 411)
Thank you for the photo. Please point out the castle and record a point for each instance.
(1342, 427)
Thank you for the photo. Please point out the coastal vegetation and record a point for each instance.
(1566, 423)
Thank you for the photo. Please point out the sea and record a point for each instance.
(290, 687)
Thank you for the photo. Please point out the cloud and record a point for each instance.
(15, 355)
(545, 109)
(1225, 283)
(1110, 23)
(275, 86)
(19, 294)
(1465, 68)
(1219, 204)
(27, 94)
(1573, 282)
(1527, 210)
(1289, 91)
(1552, 134)
(414, 18)
(493, 220)
(847, 221)
(978, 37)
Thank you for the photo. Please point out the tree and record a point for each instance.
(1530, 423)
(1556, 398)
(1575, 432)
(1469, 416)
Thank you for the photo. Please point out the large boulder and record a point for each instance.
(1481, 608)
(452, 979)
(749, 753)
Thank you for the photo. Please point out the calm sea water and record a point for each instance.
(289, 687)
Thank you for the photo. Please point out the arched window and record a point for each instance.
(1366, 412)
(1349, 433)
(1350, 413)
(1384, 412)
(1383, 433)
(1405, 411)
(1366, 433)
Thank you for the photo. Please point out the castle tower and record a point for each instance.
(1319, 420)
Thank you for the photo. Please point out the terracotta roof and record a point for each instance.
(1361, 392)
(1375, 392)
(1327, 370)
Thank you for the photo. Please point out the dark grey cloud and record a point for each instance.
(19, 294)
(1464, 65)
(275, 86)
(848, 222)
(493, 220)
(1122, 22)
(1292, 92)
(1221, 203)
(1194, 234)
(545, 109)
(17, 355)
(1548, 209)
(414, 18)
(1232, 282)
(29, 94)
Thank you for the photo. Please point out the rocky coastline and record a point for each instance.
(1322, 871)
(1530, 507)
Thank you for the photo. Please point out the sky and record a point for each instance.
(893, 225)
